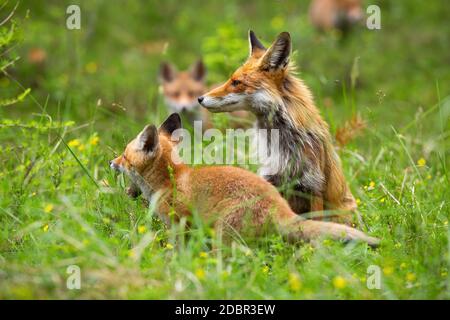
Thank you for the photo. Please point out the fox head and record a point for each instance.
(150, 145)
(182, 88)
(257, 83)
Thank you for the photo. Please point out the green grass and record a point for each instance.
(61, 205)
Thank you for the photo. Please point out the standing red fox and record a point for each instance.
(229, 198)
(266, 86)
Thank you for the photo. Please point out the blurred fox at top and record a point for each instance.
(327, 15)
(181, 89)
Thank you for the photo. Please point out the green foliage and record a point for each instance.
(224, 51)
(9, 37)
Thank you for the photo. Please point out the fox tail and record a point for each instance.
(297, 229)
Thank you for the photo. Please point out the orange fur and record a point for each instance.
(268, 73)
(229, 198)
(181, 90)
(326, 15)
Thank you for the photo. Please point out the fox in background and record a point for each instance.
(181, 90)
(233, 200)
(327, 15)
(309, 172)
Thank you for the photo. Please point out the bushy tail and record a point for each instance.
(297, 229)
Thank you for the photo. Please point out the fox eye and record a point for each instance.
(176, 94)
(190, 94)
(235, 83)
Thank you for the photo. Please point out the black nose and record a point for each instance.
(200, 99)
(110, 162)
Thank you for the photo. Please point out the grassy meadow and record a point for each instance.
(70, 100)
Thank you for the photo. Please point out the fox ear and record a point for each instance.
(148, 139)
(172, 123)
(277, 56)
(167, 72)
(257, 49)
(198, 70)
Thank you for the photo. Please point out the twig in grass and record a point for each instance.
(407, 153)
(390, 194)
(403, 185)
(10, 14)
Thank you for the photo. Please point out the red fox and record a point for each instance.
(309, 165)
(181, 90)
(335, 14)
(229, 198)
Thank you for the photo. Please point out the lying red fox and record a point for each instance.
(229, 198)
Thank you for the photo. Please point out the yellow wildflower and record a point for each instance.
(410, 277)
(200, 273)
(169, 246)
(371, 186)
(142, 229)
(48, 208)
(339, 282)
(403, 265)
(45, 228)
(388, 270)
(421, 162)
(81, 147)
(203, 254)
(294, 282)
(358, 201)
(265, 269)
(94, 140)
(382, 199)
(74, 143)
(91, 67)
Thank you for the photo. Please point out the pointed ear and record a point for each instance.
(257, 49)
(172, 123)
(198, 70)
(277, 56)
(148, 139)
(167, 72)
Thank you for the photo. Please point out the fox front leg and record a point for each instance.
(133, 191)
